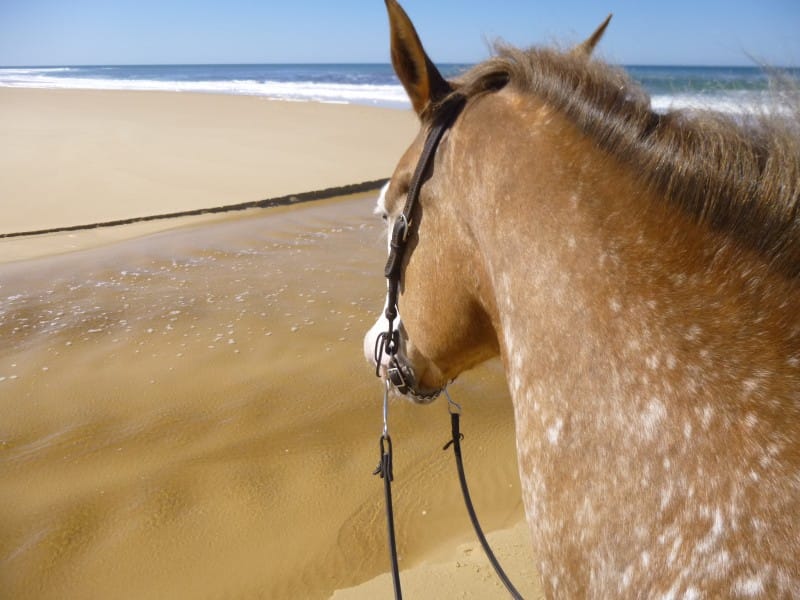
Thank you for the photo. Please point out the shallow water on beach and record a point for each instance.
(189, 415)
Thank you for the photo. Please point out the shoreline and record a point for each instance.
(43, 246)
(288, 200)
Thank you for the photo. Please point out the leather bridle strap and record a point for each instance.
(404, 222)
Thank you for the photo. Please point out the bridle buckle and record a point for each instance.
(405, 227)
(395, 375)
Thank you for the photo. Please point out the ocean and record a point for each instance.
(728, 89)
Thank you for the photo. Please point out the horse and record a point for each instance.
(638, 273)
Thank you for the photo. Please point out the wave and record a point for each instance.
(733, 103)
(377, 94)
(350, 86)
(32, 70)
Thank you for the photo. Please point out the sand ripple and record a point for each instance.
(189, 415)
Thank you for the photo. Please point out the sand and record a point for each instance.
(72, 157)
(186, 413)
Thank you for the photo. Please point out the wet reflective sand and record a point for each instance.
(189, 415)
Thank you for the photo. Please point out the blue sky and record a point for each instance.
(716, 32)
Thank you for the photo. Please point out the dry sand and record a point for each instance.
(72, 157)
(187, 414)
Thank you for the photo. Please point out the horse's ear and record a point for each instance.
(421, 79)
(587, 46)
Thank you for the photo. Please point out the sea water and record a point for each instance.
(729, 89)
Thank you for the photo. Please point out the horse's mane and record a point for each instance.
(737, 173)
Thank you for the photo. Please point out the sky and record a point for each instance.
(674, 32)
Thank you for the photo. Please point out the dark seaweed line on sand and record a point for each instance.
(332, 192)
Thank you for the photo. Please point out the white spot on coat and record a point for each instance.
(554, 431)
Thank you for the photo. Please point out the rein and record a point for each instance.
(388, 342)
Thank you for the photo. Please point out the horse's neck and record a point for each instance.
(650, 364)
(603, 292)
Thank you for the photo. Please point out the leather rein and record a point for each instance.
(388, 342)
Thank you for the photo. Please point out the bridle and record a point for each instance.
(388, 342)
(400, 375)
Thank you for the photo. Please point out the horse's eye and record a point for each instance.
(385, 217)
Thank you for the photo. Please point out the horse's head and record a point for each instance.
(449, 315)
(445, 325)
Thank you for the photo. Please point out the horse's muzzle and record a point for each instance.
(396, 367)
(401, 376)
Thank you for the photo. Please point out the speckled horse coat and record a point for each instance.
(639, 275)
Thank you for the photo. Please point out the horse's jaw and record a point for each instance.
(409, 372)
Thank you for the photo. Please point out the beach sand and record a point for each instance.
(186, 413)
(74, 157)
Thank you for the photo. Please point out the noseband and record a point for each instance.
(400, 375)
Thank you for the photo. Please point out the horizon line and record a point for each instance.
(753, 64)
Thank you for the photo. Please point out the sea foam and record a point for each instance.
(735, 90)
(311, 91)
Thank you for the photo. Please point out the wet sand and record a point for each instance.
(188, 414)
